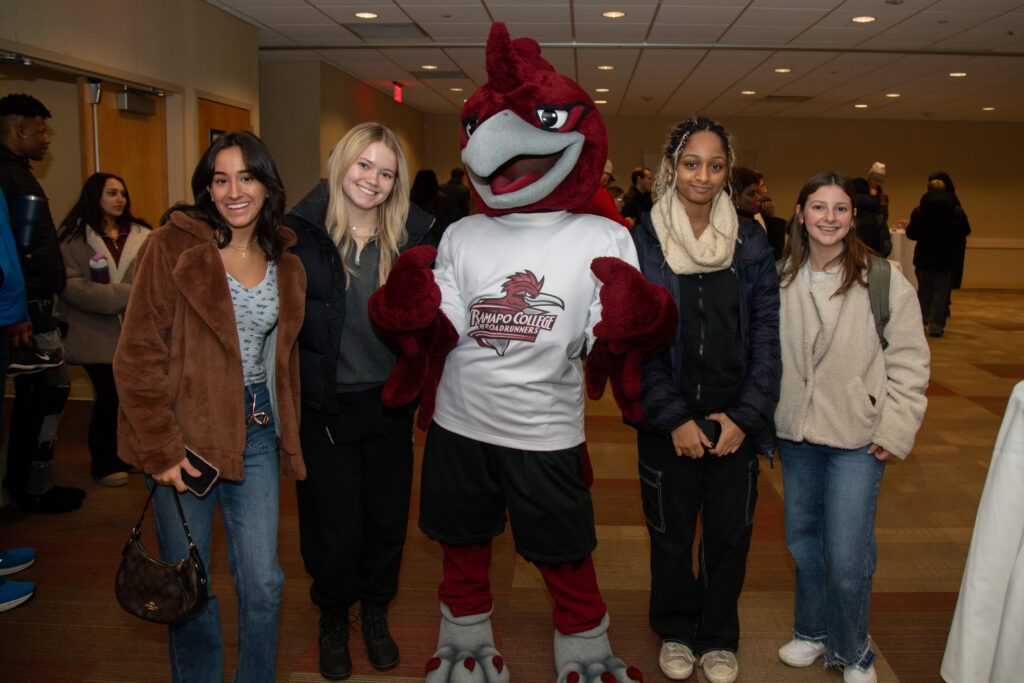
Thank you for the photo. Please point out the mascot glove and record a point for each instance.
(638, 319)
(406, 313)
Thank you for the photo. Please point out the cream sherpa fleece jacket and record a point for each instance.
(839, 388)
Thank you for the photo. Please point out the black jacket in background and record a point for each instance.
(870, 224)
(939, 226)
(43, 266)
(320, 337)
(636, 204)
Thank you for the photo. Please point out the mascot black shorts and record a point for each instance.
(467, 485)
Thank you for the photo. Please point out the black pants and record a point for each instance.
(103, 422)
(354, 503)
(701, 610)
(933, 288)
(38, 404)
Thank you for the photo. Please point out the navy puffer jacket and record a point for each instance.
(753, 411)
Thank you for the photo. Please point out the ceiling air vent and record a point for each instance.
(386, 30)
(791, 99)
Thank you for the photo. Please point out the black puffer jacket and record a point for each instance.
(870, 223)
(43, 266)
(320, 336)
(939, 226)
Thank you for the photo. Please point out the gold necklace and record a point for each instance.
(242, 249)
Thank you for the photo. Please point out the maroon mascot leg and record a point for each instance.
(466, 588)
(578, 604)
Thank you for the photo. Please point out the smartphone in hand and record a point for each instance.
(207, 474)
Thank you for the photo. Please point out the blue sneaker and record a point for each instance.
(15, 560)
(13, 593)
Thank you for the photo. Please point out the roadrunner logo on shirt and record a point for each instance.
(518, 315)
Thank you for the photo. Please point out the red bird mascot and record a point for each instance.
(492, 339)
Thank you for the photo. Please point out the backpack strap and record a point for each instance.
(878, 294)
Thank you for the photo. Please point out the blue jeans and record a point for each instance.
(830, 497)
(249, 509)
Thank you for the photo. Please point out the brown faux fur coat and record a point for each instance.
(178, 365)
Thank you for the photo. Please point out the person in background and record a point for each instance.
(848, 404)
(870, 224)
(958, 271)
(602, 203)
(458, 192)
(876, 176)
(746, 186)
(41, 383)
(637, 200)
(208, 361)
(426, 195)
(940, 227)
(707, 400)
(12, 311)
(774, 226)
(354, 505)
(99, 241)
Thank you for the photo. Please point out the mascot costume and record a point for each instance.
(492, 340)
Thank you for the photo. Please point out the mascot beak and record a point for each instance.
(512, 163)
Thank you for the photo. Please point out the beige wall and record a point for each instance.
(187, 48)
(308, 106)
(981, 159)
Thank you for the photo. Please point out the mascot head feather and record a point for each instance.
(532, 139)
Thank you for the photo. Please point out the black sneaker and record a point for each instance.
(381, 647)
(57, 499)
(27, 360)
(335, 662)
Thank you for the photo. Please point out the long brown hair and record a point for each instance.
(855, 258)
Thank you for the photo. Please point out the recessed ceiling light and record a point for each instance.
(782, 70)
(601, 90)
(366, 15)
(860, 106)
(988, 108)
(957, 74)
(892, 94)
(606, 67)
(600, 101)
(456, 89)
(748, 92)
(428, 67)
(613, 15)
(862, 20)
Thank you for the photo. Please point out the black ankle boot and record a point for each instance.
(380, 645)
(335, 662)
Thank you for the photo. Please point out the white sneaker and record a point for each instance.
(855, 674)
(676, 660)
(801, 653)
(720, 666)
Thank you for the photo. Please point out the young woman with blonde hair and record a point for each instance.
(354, 505)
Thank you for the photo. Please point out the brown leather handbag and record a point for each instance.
(154, 590)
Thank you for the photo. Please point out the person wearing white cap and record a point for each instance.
(876, 175)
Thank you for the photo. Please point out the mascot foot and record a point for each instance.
(465, 651)
(587, 658)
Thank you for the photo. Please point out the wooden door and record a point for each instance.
(214, 118)
(133, 146)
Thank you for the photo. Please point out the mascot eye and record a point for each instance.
(552, 118)
(469, 126)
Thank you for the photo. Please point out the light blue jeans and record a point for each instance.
(249, 509)
(830, 498)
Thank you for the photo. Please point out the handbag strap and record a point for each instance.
(137, 529)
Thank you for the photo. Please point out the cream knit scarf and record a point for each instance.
(684, 253)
